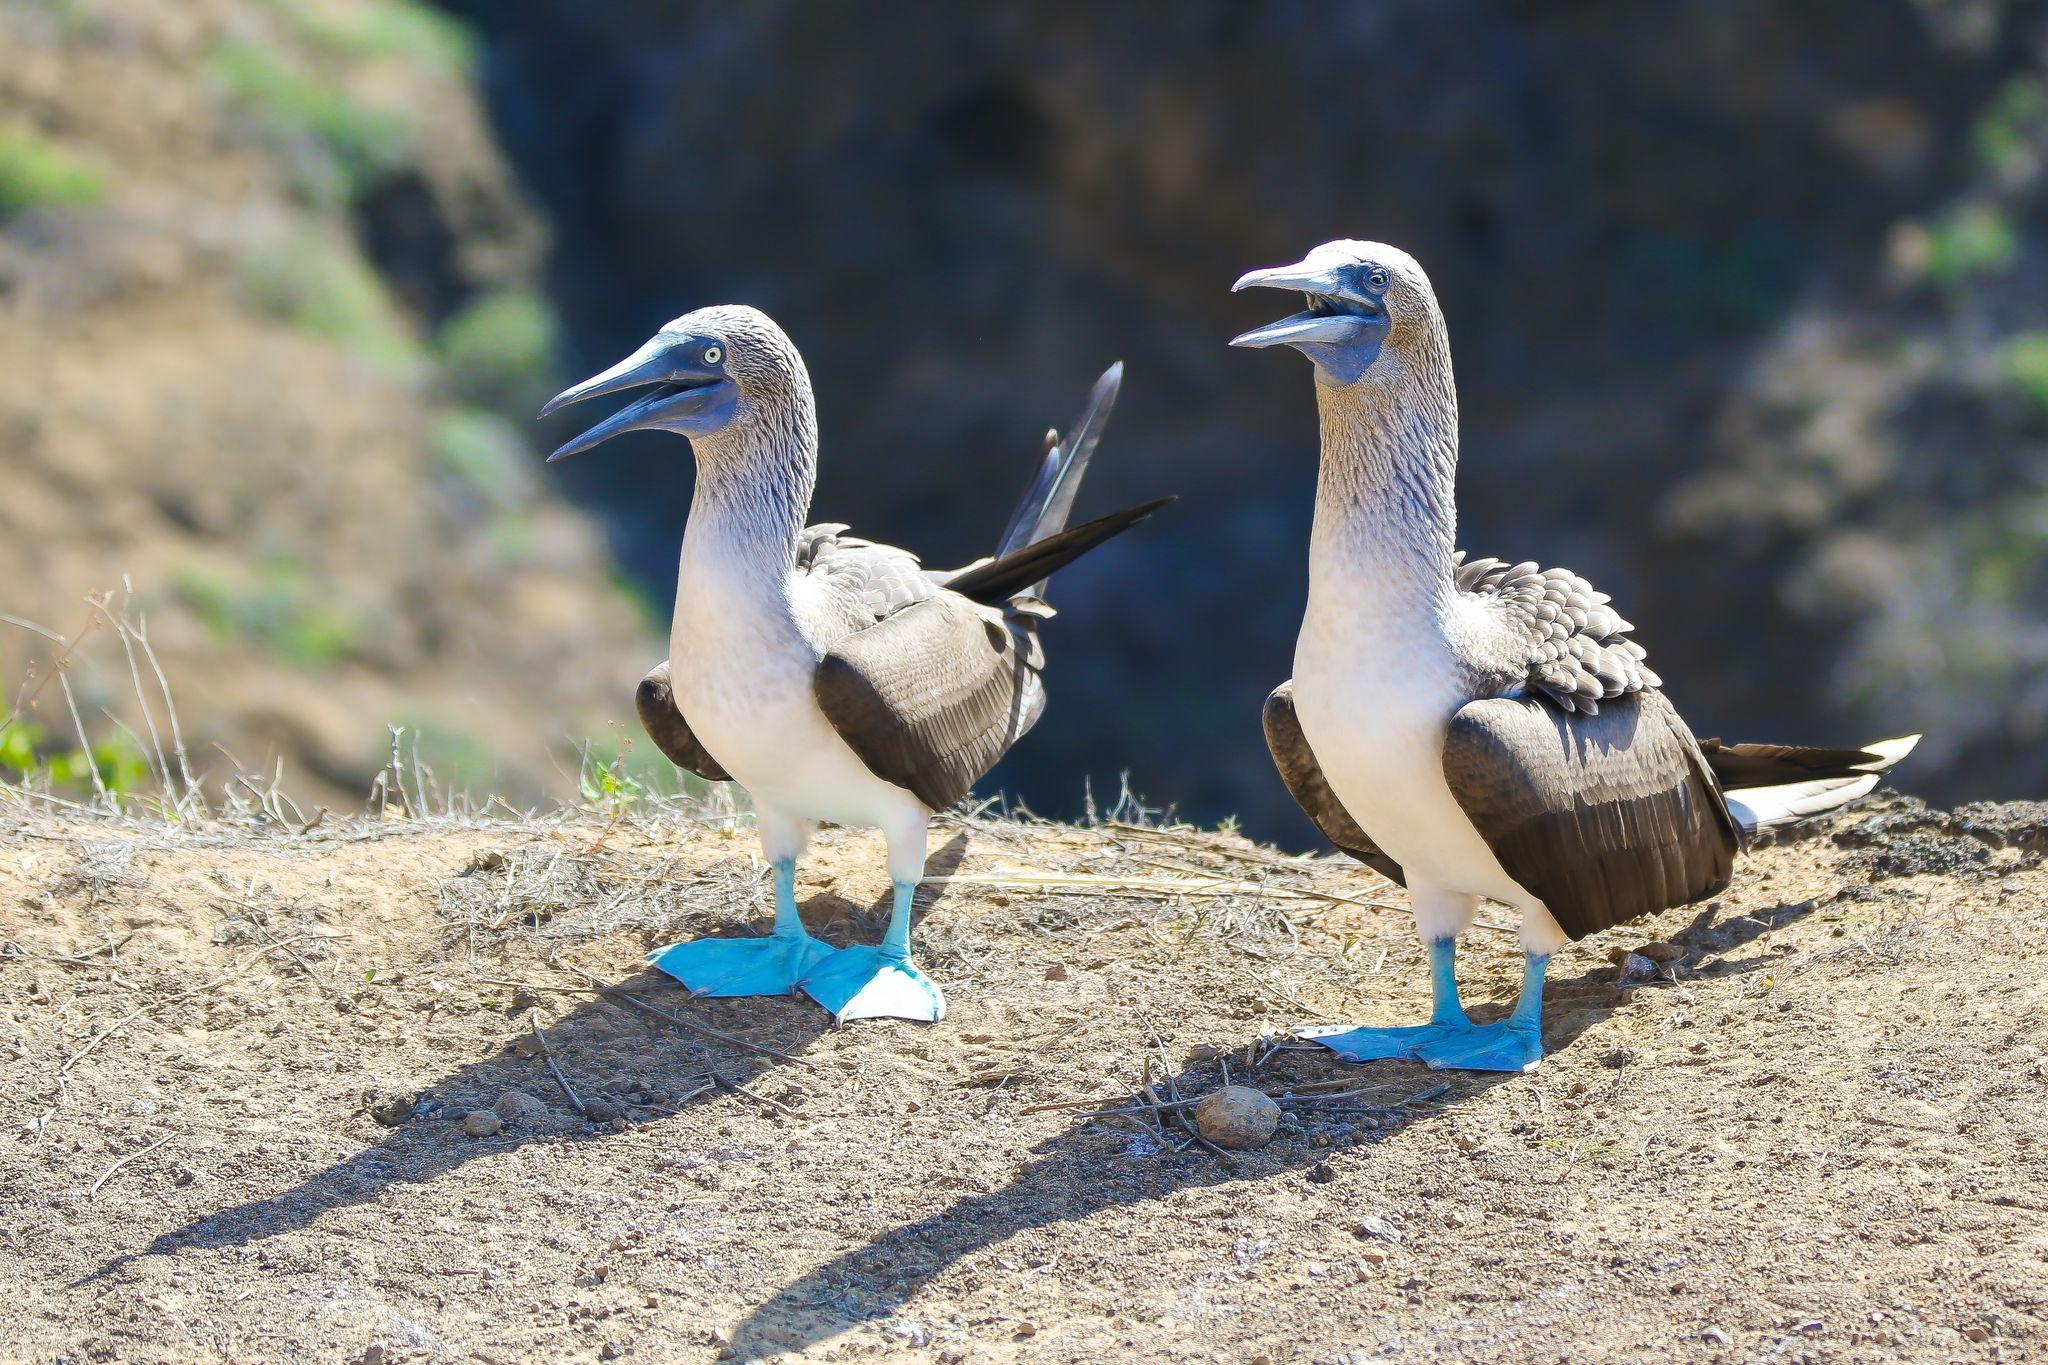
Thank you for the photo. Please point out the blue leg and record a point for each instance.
(1511, 1044)
(880, 982)
(1451, 1041)
(750, 966)
(1445, 1018)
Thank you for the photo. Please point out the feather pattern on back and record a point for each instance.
(1563, 638)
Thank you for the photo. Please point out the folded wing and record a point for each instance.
(1311, 790)
(656, 702)
(933, 695)
(1603, 816)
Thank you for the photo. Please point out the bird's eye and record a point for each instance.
(1378, 281)
(713, 354)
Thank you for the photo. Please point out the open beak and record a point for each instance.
(1337, 313)
(685, 390)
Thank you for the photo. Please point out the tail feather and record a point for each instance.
(999, 579)
(1047, 503)
(1767, 765)
(1826, 779)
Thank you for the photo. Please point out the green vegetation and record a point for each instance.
(279, 612)
(447, 757)
(512, 537)
(400, 30)
(498, 350)
(36, 173)
(618, 774)
(2024, 362)
(654, 612)
(28, 754)
(2013, 126)
(1737, 284)
(357, 146)
(483, 455)
(1968, 241)
(328, 290)
(2002, 552)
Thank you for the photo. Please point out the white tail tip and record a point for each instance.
(1889, 752)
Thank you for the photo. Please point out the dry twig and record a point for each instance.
(541, 1037)
(108, 1173)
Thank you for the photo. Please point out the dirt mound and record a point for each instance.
(292, 1098)
(267, 341)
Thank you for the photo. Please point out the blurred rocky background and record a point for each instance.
(1747, 300)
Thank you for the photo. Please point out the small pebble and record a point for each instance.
(1237, 1117)
(1202, 1052)
(373, 1354)
(482, 1123)
(520, 1110)
(391, 1110)
(1661, 952)
(1374, 1226)
(1633, 968)
(1056, 972)
(608, 1351)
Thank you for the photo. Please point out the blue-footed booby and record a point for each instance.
(1476, 729)
(832, 677)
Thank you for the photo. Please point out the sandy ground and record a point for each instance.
(1821, 1133)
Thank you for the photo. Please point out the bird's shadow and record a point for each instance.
(622, 1063)
(1091, 1167)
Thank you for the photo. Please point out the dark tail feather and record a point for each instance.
(1004, 577)
(1770, 765)
(1050, 498)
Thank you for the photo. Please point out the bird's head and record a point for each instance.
(1366, 301)
(708, 371)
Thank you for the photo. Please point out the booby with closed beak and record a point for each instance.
(1475, 729)
(832, 677)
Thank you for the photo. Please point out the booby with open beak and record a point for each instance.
(1480, 730)
(833, 678)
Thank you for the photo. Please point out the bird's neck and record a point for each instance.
(1386, 513)
(754, 484)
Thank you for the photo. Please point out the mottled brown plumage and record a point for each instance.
(1603, 817)
(931, 697)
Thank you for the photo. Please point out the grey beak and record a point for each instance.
(651, 364)
(662, 402)
(1300, 276)
(1336, 329)
(687, 393)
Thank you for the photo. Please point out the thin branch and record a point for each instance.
(108, 1173)
(563, 1081)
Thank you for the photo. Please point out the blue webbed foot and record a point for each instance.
(1377, 1044)
(1451, 1042)
(742, 966)
(868, 983)
(1512, 1044)
(1505, 1046)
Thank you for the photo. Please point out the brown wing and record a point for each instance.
(1304, 778)
(1603, 817)
(932, 696)
(656, 702)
